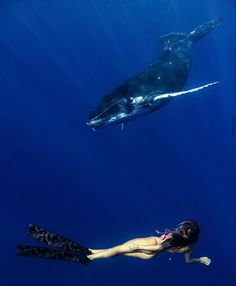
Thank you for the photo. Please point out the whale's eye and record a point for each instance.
(158, 102)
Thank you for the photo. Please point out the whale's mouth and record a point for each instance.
(97, 119)
(101, 120)
(91, 125)
(106, 114)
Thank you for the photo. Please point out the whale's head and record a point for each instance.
(111, 113)
(117, 110)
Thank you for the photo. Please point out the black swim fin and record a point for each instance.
(51, 253)
(56, 240)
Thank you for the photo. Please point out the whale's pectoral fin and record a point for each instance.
(172, 37)
(156, 98)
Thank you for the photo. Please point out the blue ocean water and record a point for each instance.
(58, 58)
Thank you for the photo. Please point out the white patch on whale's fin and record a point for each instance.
(174, 94)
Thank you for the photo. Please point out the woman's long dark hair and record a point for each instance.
(185, 234)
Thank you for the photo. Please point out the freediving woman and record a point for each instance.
(178, 240)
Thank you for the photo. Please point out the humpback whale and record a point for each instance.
(156, 85)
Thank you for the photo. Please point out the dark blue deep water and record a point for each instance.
(57, 59)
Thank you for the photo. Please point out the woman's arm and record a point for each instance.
(189, 259)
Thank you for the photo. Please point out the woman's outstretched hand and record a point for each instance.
(205, 260)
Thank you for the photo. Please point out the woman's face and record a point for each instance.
(183, 232)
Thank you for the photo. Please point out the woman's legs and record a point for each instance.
(109, 252)
(140, 255)
(126, 249)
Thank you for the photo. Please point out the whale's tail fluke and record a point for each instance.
(194, 36)
(203, 30)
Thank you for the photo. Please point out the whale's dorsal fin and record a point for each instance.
(172, 37)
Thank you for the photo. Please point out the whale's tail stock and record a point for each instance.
(203, 30)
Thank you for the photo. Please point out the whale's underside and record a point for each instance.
(153, 87)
